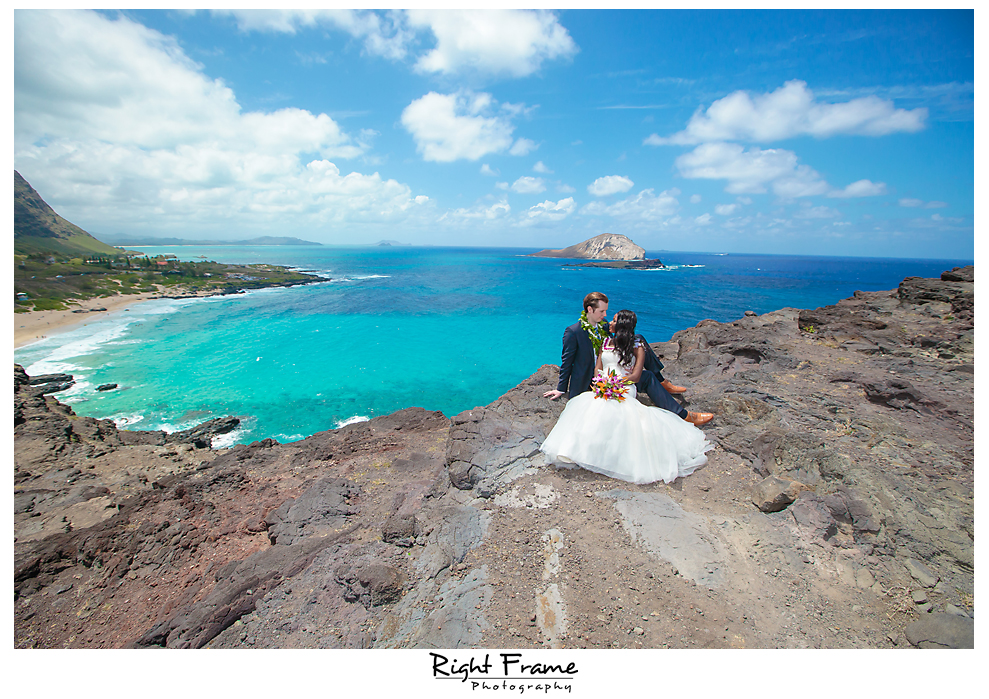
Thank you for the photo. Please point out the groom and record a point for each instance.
(580, 355)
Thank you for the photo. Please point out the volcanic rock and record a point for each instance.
(413, 530)
(606, 246)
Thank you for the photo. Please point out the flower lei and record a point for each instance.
(610, 386)
(598, 333)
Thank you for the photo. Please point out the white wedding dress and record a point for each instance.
(625, 439)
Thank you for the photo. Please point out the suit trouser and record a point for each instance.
(659, 395)
(652, 362)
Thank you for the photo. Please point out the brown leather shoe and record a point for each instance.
(670, 388)
(699, 418)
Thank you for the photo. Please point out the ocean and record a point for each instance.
(444, 329)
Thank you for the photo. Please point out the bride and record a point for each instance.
(608, 431)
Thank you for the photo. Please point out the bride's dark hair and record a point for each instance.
(624, 337)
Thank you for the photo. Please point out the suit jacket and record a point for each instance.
(577, 362)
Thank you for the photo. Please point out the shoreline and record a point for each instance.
(33, 326)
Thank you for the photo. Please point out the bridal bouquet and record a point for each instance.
(610, 386)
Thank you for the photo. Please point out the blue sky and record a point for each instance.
(825, 133)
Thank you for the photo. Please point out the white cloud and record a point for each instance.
(644, 206)
(480, 212)
(119, 126)
(703, 219)
(752, 171)
(695, 199)
(523, 146)
(565, 188)
(383, 34)
(744, 200)
(610, 184)
(528, 185)
(551, 211)
(496, 42)
(464, 125)
(539, 167)
(725, 209)
(502, 185)
(486, 170)
(817, 212)
(917, 203)
(791, 111)
(512, 43)
(862, 188)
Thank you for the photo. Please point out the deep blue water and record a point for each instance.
(442, 328)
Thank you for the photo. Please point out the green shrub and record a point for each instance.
(49, 305)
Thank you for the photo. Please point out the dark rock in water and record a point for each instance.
(51, 383)
(621, 264)
(56, 387)
(201, 436)
(106, 387)
(49, 378)
(942, 631)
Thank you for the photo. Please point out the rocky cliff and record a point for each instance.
(836, 511)
(601, 247)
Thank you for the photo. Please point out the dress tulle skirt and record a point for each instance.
(625, 440)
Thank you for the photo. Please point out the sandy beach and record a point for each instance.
(34, 325)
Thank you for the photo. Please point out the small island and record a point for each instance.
(612, 250)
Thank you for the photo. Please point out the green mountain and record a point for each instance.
(38, 229)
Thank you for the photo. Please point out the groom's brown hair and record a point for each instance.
(593, 299)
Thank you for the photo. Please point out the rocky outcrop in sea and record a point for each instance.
(607, 246)
(836, 510)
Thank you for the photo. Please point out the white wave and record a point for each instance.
(122, 421)
(352, 421)
(695, 265)
(76, 343)
(286, 438)
(76, 393)
(325, 273)
(360, 277)
(86, 339)
(225, 441)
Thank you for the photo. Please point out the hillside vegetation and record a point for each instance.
(39, 230)
(56, 262)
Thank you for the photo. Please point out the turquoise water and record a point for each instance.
(393, 327)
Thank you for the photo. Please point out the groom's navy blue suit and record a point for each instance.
(577, 370)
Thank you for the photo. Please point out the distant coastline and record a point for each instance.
(131, 241)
